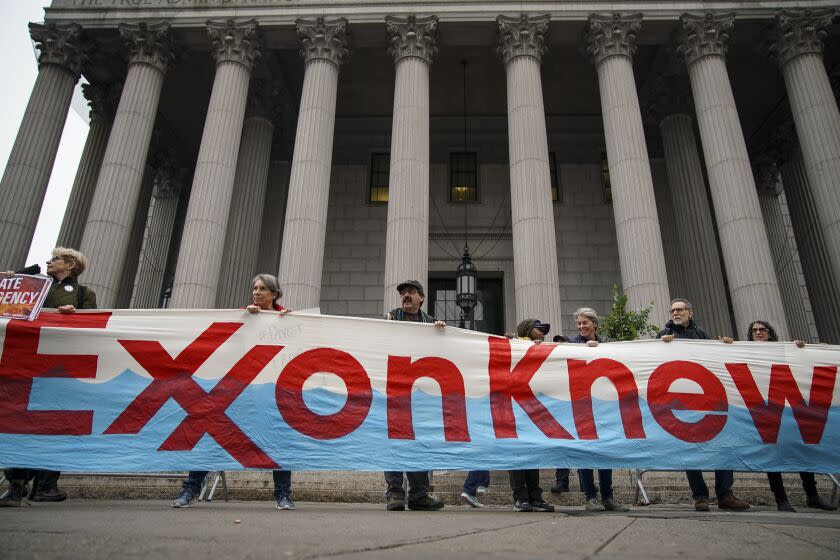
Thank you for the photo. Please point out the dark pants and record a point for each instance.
(282, 482)
(418, 484)
(561, 477)
(809, 484)
(476, 479)
(587, 483)
(525, 485)
(44, 479)
(723, 484)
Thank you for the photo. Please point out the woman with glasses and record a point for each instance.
(762, 331)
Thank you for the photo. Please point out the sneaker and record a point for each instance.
(611, 505)
(49, 494)
(521, 505)
(818, 503)
(593, 505)
(283, 502)
(14, 495)
(396, 503)
(784, 505)
(559, 488)
(539, 505)
(732, 503)
(481, 490)
(184, 499)
(472, 501)
(701, 504)
(426, 503)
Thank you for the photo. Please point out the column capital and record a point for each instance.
(705, 35)
(323, 39)
(234, 41)
(102, 99)
(766, 173)
(412, 37)
(522, 36)
(669, 95)
(612, 35)
(800, 32)
(262, 98)
(148, 43)
(782, 142)
(59, 45)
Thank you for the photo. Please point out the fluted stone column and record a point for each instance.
(81, 195)
(407, 239)
(107, 234)
(30, 163)
(799, 47)
(612, 42)
(148, 284)
(767, 180)
(302, 256)
(246, 207)
(274, 209)
(135, 240)
(203, 240)
(537, 282)
(703, 277)
(743, 237)
(823, 285)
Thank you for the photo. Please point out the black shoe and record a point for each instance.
(521, 505)
(559, 488)
(49, 494)
(784, 505)
(426, 503)
(539, 505)
(395, 503)
(14, 495)
(818, 503)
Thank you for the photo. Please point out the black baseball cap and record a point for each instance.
(412, 283)
(544, 327)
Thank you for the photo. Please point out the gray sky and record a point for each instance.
(19, 66)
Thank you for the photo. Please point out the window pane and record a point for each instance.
(380, 169)
(463, 177)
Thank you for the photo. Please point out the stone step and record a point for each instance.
(354, 486)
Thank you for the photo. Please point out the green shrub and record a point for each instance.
(622, 324)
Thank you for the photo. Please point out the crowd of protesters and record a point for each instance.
(66, 295)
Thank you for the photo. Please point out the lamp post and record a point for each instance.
(465, 282)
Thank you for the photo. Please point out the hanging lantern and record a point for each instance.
(465, 282)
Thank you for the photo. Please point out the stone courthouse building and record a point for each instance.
(675, 148)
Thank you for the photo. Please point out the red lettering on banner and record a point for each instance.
(507, 385)
(581, 378)
(293, 409)
(21, 364)
(663, 402)
(767, 416)
(402, 374)
(205, 411)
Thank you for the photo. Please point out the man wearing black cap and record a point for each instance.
(411, 298)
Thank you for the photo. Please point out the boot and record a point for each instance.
(14, 495)
(49, 493)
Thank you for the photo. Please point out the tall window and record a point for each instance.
(380, 169)
(463, 178)
(605, 178)
(556, 187)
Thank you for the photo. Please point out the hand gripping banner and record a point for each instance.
(175, 390)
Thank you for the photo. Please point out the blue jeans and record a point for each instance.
(723, 484)
(476, 479)
(587, 483)
(282, 483)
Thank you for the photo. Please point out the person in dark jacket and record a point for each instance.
(412, 297)
(762, 331)
(586, 321)
(65, 295)
(682, 326)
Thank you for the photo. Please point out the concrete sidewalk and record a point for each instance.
(150, 529)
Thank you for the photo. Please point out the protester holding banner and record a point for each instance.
(525, 483)
(66, 295)
(587, 325)
(682, 326)
(762, 331)
(265, 293)
(412, 297)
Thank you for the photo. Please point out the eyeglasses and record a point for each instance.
(677, 310)
(759, 330)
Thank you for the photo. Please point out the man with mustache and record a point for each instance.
(412, 297)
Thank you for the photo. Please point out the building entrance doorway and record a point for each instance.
(489, 313)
